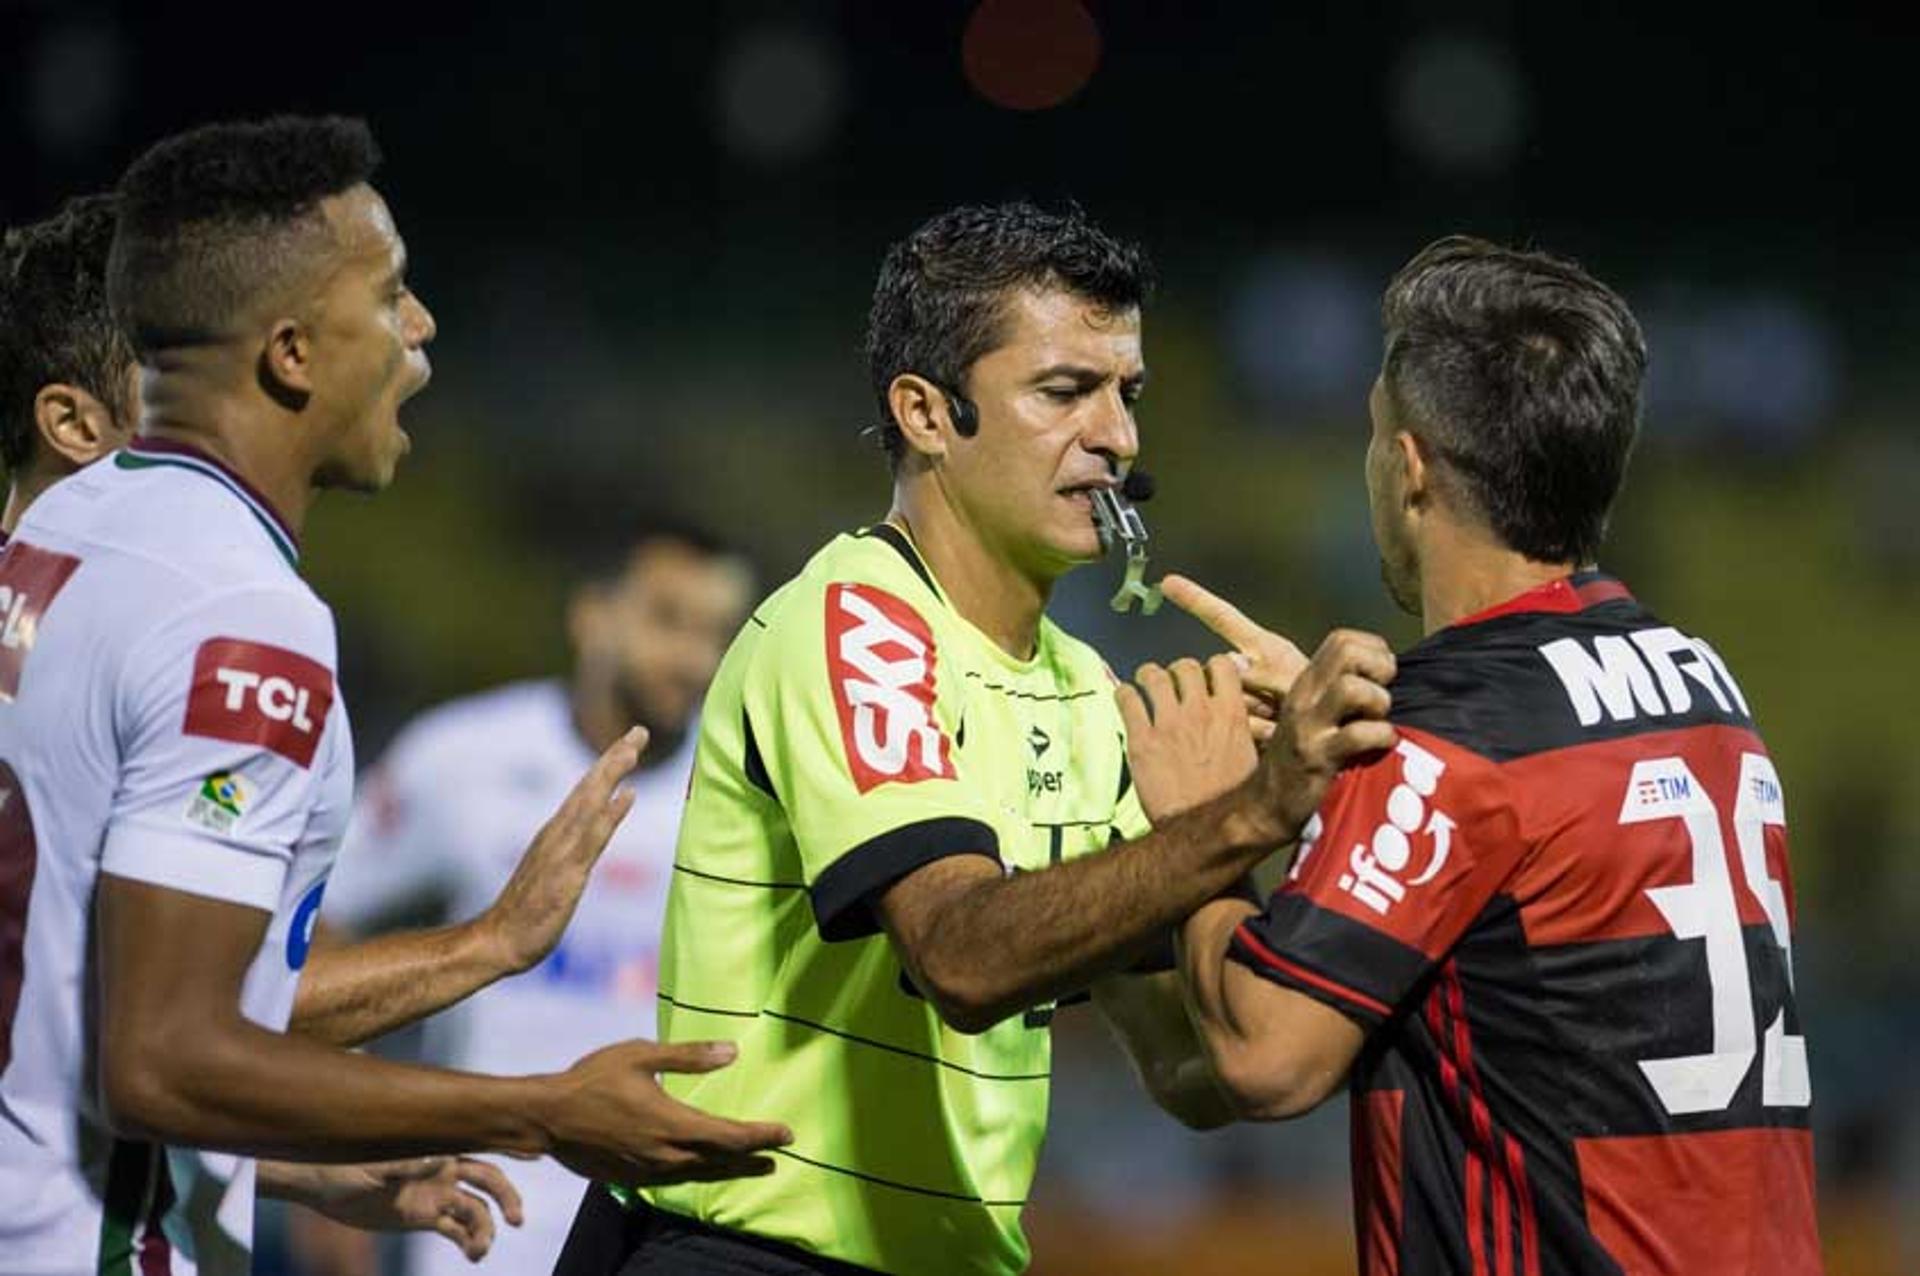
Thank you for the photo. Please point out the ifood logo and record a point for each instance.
(881, 660)
(1376, 867)
(250, 693)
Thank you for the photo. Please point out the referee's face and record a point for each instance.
(1055, 402)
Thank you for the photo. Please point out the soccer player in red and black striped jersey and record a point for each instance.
(1547, 938)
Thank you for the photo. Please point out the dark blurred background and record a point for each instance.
(649, 233)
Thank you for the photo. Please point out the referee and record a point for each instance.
(912, 827)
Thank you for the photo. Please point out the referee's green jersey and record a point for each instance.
(858, 729)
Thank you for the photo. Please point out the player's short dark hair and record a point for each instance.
(1521, 372)
(608, 544)
(940, 299)
(55, 325)
(213, 218)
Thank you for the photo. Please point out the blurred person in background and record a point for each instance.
(1546, 939)
(184, 904)
(443, 817)
(912, 829)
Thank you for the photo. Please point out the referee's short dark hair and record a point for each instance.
(214, 220)
(1521, 374)
(940, 299)
(54, 322)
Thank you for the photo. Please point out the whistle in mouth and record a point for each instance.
(1119, 525)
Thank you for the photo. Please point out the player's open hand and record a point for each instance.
(444, 1194)
(538, 901)
(1268, 662)
(612, 1122)
(1187, 739)
(1335, 711)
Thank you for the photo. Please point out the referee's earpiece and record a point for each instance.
(966, 417)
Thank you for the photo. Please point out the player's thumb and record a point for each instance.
(689, 1056)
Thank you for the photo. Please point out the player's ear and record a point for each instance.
(286, 362)
(73, 424)
(922, 413)
(1416, 472)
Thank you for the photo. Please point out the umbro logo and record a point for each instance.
(1040, 741)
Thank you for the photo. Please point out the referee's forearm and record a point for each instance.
(1015, 942)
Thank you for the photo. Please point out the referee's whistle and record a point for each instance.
(1119, 525)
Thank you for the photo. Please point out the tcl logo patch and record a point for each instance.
(251, 693)
(29, 579)
(880, 659)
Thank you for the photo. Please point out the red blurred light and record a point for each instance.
(1028, 55)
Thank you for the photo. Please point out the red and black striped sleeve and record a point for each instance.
(1406, 851)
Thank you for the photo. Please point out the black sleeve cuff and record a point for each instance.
(843, 895)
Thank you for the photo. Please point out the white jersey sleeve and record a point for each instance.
(220, 716)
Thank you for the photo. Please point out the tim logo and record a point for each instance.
(29, 579)
(1375, 869)
(250, 693)
(880, 660)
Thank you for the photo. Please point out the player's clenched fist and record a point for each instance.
(1334, 712)
(609, 1120)
(1187, 737)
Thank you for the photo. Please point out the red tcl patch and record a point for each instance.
(29, 579)
(251, 693)
(880, 659)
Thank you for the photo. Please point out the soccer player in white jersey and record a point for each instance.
(175, 765)
(441, 818)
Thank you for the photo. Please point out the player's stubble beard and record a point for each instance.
(637, 708)
(1403, 586)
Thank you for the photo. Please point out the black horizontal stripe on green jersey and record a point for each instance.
(1017, 694)
(739, 881)
(900, 1187)
(857, 1039)
(705, 1010)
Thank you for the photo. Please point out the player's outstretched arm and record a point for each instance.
(179, 1063)
(449, 1195)
(982, 946)
(350, 993)
(1148, 1014)
(1275, 1053)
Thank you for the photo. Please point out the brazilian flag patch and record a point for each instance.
(220, 803)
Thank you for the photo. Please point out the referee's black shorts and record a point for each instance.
(611, 1239)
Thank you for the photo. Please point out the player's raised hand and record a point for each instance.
(535, 905)
(1335, 711)
(1269, 662)
(611, 1121)
(1187, 739)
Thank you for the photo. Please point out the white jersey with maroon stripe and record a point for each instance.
(168, 714)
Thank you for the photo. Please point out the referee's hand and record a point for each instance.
(1187, 739)
(1335, 713)
(1268, 662)
(607, 1119)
